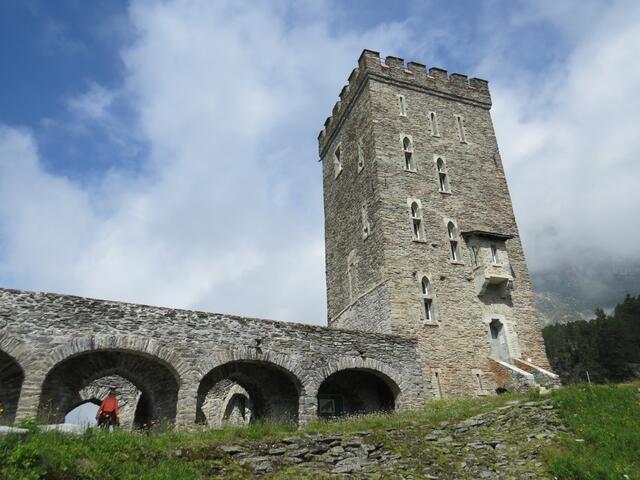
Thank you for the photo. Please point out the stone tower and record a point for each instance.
(421, 239)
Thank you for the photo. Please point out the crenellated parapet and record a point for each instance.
(412, 75)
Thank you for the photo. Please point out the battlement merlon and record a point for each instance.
(415, 75)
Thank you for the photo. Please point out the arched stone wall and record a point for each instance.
(218, 408)
(79, 368)
(127, 393)
(11, 378)
(273, 391)
(390, 376)
(293, 369)
(43, 331)
(355, 391)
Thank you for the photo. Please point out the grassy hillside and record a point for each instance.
(580, 433)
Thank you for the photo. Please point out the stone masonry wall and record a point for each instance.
(457, 344)
(353, 262)
(44, 332)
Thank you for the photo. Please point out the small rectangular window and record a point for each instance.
(417, 229)
(428, 309)
(402, 106)
(443, 182)
(454, 251)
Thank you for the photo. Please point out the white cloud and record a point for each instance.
(227, 215)
(570, 150)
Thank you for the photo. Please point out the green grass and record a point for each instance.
(604, 441)
(607, 418)
(127, 455)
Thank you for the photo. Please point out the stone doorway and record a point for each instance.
(499, 345)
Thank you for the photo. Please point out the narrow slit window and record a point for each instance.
(438, 385)
(407, 148)
(453, 242)
(416, 219)
(337, 161)
(360, 157)
(366, 228)
(443, 181)
(460, 126)
(434, 124)
(402, 105)
(480, 385)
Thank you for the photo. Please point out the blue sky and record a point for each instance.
(165, 152)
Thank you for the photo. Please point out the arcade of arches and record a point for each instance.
(235, 393)
(59, 355)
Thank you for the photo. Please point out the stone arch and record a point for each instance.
(129, 398)
(11, 379)
(365, 385)
(237, 408)
(271, 381)
(153, 369)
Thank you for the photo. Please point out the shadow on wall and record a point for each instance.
(258, 390)
(356, 391)
(11, 378)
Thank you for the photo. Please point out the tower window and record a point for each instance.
(337, 161)
(366, 228)
(460, 126)
(402, 105)
(481, 387)
(407, 149)
(427, 300)
(434, 124)
(416, 219)
(443, 179)
(494, 254)
(453, 241)
(360, 157)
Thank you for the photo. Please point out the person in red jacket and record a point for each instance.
(109, 411)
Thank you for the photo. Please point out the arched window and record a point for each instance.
(360, 157)
(416, 219)
(453, 241)
(407, 148)
(434, 124)
(427, 299)
(337, 161)
(443, 180)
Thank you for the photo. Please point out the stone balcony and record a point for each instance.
(485, 276)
